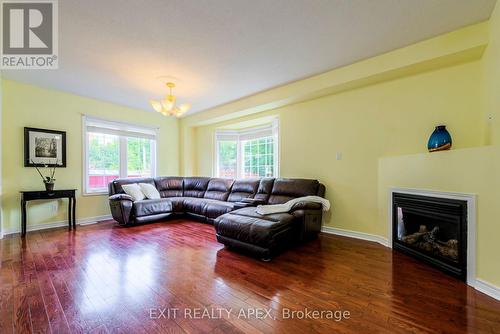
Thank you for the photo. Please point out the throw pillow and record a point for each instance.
(134, 191)
(149, 191)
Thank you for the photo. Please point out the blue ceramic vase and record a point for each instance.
(440, 139)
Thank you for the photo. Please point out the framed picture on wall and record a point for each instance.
(44, 147)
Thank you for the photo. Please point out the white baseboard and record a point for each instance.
(356, 235)
(487, 288)
(61, 223)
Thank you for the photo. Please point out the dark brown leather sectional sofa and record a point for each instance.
(230, 206)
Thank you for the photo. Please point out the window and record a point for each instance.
(115, 150)
(258, 157)
(247, 153)
(228, 158)
(103, 161)
(139, 157)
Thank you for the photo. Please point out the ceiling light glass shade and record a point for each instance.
(167, 106)
(156, 105)
(169, 102)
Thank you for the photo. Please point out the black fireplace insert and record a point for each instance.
(431, 229)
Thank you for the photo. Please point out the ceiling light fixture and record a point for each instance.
(167, 106)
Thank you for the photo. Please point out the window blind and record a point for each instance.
(96, 125)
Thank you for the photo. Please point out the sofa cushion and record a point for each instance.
(177, 204)
(169, 186)
(252, 229)
(152, 206)
(217, 208)
(194, 205)
(206, 207)
(287, 189)
(265, 188)
(244, 188)
(195, 186)
(218, 189)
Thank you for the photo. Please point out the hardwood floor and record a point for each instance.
(104, 278)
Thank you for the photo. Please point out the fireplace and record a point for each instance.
(431, 229)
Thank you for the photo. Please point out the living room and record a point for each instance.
(250, 166)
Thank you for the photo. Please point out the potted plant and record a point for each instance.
(49, 179)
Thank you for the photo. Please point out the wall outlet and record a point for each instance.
(339, 156)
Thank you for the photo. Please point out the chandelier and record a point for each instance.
(167, 106)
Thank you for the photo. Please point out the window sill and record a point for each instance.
(97, 193)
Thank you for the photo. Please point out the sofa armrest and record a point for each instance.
(121, 208)
(310, 223)
(306, 206)
(119, 197)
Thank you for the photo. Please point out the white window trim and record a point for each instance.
(121, 129)
(246, 134)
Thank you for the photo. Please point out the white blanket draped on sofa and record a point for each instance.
(286, 207)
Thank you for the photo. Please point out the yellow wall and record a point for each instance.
(25, 105)
(457, 47)
(491, 72)
(387, 119)
(1, 146)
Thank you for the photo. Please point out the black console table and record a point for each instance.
(55, 194)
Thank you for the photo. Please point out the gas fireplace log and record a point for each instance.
(427, 241)
(432, 235)
(448, 249)
(413, 238)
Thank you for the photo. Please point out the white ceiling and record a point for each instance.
(223, 50)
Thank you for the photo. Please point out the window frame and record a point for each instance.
(121, 129)
(269, 130)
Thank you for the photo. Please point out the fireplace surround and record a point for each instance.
(435, 227)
